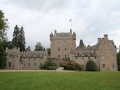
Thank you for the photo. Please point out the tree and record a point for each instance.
(48, 50)
(91, 66)
(19, 38)
(2, 56)
(15, 36)
(81, 44)
(49, 65)
(39, 47)
(3, 26)
(71, 65)
(118, 61)
(28, 49)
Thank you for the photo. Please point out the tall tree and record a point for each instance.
(2, 56)
(3, 39)
(39, 47)
(118, 59)
(15, 36)
(3, 26)
(19, 38)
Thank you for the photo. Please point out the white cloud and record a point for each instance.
(91, 19)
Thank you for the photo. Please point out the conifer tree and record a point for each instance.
(19, 38)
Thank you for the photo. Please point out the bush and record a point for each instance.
(71, 65)
(52, 67)
(49, 65)
(91, 66)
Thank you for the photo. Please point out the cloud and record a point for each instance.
(90, 19)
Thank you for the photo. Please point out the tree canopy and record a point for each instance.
(91, 66)
(19, 38)
(39, 47)
(2, 56)
(3, 26)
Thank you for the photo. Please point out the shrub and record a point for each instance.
(52, 67)
(71, 65)
(118, 61)
(49, 65)
(91, 66)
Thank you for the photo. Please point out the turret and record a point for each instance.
(51, 35)
(74, 36)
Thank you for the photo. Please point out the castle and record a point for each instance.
(63, 47)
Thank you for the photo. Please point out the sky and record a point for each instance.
(91, 19)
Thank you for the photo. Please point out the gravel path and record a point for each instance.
(5, 70)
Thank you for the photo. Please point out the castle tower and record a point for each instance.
(62, 44)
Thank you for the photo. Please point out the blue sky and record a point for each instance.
(91, 19)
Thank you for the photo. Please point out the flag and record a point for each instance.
(70, 20)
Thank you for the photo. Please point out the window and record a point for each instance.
(65, 49)
(58, 56)
(28, 64)
(112, 56)
(41, 58)
(40, 64)
(95, 57)
(65, 42)
(58, 43)
(82, 66)
(35, 58)
(65, 56)
(34, 64)
(103, 57)
(9, 63)
(75, 57)
(82, 57)
(29, 58)
(58, 49)
(103, 65)
(88, 57)
(113, 66)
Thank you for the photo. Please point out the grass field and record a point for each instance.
(59, 80)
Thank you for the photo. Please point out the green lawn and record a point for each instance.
(59, 80)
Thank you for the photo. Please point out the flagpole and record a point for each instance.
(71, 24)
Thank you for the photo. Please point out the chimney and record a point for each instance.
(106, 36)
(71, 31)
(99, 39)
